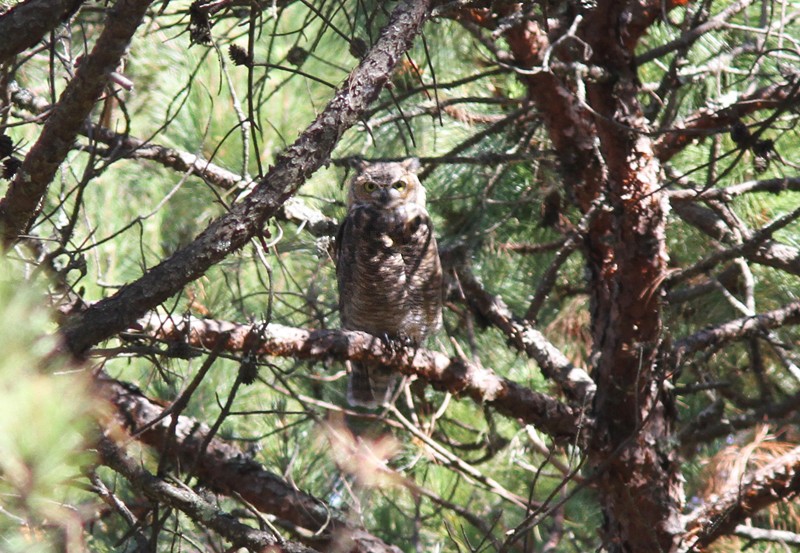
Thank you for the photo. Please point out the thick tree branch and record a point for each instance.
(708, 121)
(228, 470)
(717, 336)
(779, 481)
(456, 376)
(246, 218)
(193, 505)
(21, 203)
(27, 22)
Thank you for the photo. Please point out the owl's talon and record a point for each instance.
(388, 342)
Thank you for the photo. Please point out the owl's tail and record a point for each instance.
(369, 386)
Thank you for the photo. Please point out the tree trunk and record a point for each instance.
(612, 176)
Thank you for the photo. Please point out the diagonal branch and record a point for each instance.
(692, 35)
(708, 121)
(129, 147)
(769, 252)
(753, 243)
(717, 336)
(456, 376)
(228, 470)
(779, 481)
(193, 505)
(246, 218)
(28, 22)
(21, 203)
(574, 381)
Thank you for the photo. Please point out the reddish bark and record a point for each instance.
(606, 156)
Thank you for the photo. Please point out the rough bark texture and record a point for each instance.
(606, 157)
(193, 505)
(573, 381)
(456, 376)
(228, 470)
(22, 201)
(26, 23)
(641, 490)
(246, 218)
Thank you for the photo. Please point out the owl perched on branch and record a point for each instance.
(388, 269)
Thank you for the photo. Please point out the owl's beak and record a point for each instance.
(387, 195)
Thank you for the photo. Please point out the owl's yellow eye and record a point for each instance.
(399, 185)
(369, 186)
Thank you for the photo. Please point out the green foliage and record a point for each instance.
(111, 218)
(45, 417)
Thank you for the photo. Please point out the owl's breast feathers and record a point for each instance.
(389, 272)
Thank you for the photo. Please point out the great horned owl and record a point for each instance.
(388, 269)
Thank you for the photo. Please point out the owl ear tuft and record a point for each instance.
(357, 163)
(411, 165)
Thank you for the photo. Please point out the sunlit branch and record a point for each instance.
(456, 376)
(575, 382)
(192, 504)
(228, 470)
(717, 336)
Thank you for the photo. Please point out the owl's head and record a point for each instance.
(386, 185)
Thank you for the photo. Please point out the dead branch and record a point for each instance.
(21, 203)
(456, 376)
(246, 218)
(779, 481)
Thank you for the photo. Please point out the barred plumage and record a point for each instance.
(388, 269)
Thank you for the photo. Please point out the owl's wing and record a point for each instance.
(344, 251)
(423, 268)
